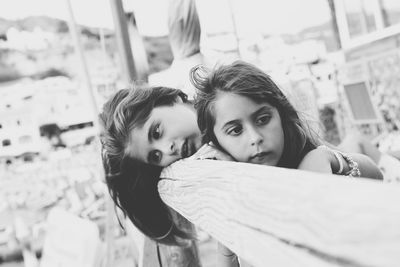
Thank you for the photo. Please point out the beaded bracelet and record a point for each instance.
(337, 156)
(339, 160)
(354, 169)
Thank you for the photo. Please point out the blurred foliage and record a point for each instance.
(323, 32)
(158, 49)
(52, 72)
(331, 133)
(5, 25)
(385, 80)
(8, 74)
(30, 23)
(47, 24)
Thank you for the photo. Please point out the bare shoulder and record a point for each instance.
(317, 160)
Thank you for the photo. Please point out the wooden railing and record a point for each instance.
(271, 216)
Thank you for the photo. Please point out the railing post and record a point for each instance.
(124, 45)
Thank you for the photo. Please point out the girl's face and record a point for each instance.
(248, 131)
(170, 133)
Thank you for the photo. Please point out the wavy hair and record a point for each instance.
(246, 80)
(133, 184)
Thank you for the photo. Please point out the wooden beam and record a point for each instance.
(272, 216)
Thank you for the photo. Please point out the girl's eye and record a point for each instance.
(263, 119)
(155, 157)
(235, 130)
(156, 132)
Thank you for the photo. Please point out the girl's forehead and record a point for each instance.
(231, 104)
(234, 97)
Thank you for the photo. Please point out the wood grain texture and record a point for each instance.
(271, 216)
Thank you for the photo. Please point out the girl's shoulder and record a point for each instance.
(317, 160)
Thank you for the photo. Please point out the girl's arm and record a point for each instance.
(323, 160)
(318, 160)
(367, 166)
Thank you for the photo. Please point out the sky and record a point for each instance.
(267, 16)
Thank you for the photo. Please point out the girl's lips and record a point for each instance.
(189, 147)
(259, 156)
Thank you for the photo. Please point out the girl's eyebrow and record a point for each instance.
(254, 114)
(229, 123)
(262, 109)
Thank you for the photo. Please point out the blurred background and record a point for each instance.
(338, 61)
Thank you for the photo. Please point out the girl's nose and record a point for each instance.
(168, 147)
(255, 137)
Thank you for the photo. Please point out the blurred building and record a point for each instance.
(19, 131)
(368, 27)
(28, 106)
(370, 38)
(19, 134)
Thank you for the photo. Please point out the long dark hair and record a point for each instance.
(246, 80)
(133, 184)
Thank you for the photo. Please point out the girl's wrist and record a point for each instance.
(342, 163)
(352, 166)
(337, 162)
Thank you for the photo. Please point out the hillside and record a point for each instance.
(47, 24)
(158, 49)
(5, 25)
(322, 32)
(30, 23)
(13, 63)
